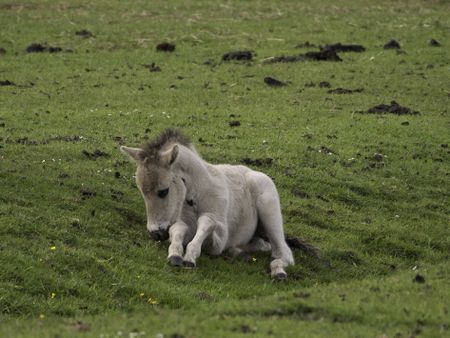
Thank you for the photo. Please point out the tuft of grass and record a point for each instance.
(370, 190)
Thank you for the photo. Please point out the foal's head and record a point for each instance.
(162, 189)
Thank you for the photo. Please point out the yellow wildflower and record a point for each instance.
(141, 294)
(41, 316)
(253, 259)
(53, 248)
(152, 301)
(53, 295)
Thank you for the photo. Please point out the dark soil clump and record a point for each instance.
(339, 47)
(165, 47)
(35, 48)
(270, 81)
(393, 108)
(323, 55)
(392, 44)
(38, 48)
(419, 279)
(6, 83)
(243, 55)
(27, 142)
(152, 67)
(434, 43)
(70, 138)
(84, 33)
(94, 155)
(86, 193)
(299, 193)
(293, 58)
(259, 162)
(345, 91)
(234, 123)
(324, 84)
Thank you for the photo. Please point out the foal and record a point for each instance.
(204, 206)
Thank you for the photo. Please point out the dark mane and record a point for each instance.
(172, 135)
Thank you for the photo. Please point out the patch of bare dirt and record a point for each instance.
(393, 108)
(242, 55)
(259, 162)
(392, 44)
(86, 193)
(39, 48)
(152, 67)
(6, 83)
(95, 154)
(272, 82)
(339, 47)
(345, 91)
(84, 33)
(165, 47)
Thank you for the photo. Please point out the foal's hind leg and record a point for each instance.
(256, 244)
(269, 213)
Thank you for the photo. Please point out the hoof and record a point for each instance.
(188, 264)
(280, 277)
(176, 261)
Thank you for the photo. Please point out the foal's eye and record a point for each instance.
(163, 193)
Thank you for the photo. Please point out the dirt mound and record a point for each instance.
(6, 83)
(434, 43)
(272, 82)
(84, 33)
(339, 47)
(392, 44)
(38, 48)
(94, 155)
(165, 47)
(393, 108)
(259, 162)
(242, 55)
(152, 67)
(322, 55)
(345, 91)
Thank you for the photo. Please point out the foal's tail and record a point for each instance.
(300, 243)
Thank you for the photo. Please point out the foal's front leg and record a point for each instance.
(177, 233)
(207, 224)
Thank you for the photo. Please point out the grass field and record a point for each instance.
(370, 190)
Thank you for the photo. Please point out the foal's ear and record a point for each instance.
(134, 153)
(170, 155)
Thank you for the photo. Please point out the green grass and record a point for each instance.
(75, 227)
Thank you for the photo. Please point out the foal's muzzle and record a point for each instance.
(159, 235)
